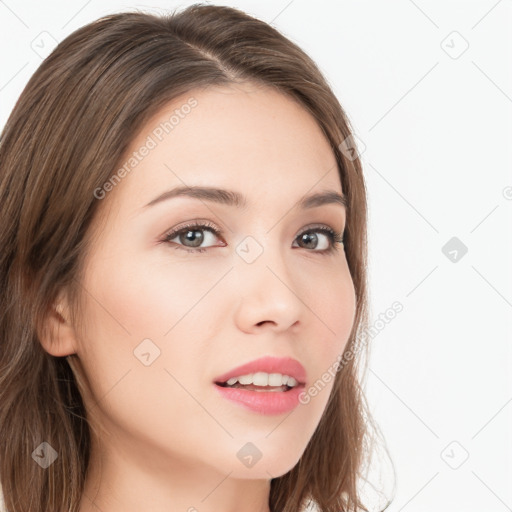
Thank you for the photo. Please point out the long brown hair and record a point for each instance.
(63, 140)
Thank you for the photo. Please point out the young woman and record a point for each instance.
(183, 275)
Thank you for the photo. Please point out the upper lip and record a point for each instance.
(268, 364)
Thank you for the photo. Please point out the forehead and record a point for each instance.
(244, 137)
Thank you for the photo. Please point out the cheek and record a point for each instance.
(148, 298)
(335, 308)
(127, 306)
(334, 305)
(131, 303)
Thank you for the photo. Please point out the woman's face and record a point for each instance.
(163, 322)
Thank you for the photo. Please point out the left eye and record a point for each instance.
(193, 234)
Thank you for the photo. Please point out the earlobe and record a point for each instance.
(57, 335)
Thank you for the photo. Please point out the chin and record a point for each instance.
(271, 466)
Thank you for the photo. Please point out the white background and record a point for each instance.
(436, 136)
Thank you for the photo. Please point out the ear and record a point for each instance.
(57, 335)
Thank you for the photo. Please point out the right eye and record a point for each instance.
(188, 233)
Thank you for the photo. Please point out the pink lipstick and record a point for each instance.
(283, 378)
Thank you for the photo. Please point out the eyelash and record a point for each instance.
(334, 236)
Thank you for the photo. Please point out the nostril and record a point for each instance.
(264, 321)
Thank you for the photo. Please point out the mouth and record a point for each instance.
(268, 385)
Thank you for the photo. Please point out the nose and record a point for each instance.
(268, 293)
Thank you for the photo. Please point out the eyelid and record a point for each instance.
(319, 226)
(195, 223)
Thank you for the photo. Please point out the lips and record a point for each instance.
(283, 365)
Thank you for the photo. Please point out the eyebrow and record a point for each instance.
(233, 198)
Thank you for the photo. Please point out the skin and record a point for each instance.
(169, 441)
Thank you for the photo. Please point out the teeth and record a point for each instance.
(246, 379)
(264, 379)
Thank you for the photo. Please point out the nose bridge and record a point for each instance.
(260, 252)
(267, 287)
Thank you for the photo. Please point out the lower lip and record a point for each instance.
(263, 402)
